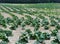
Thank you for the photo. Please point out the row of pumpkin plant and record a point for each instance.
(31, 11)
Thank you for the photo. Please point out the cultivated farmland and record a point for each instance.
(30, 23)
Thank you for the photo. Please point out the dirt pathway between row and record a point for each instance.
(6, 15)
(15, 37)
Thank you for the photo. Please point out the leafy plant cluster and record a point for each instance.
(36, 35)
(4, 34)
(56, 34)
(56, 40)
(30, 21)
(2, 21)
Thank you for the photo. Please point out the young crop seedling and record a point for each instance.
(7, 32)
(8, 20)
(36, 22)
(58, 26)
(3, 37)
(47, 36)
(13, 27)
(46, 27)
(29, 20)
(45, 22)
(23, 39)
(54, 32)
(23, 24)
(53, 22)
(55, 41)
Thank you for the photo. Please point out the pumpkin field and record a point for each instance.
(30, 23)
